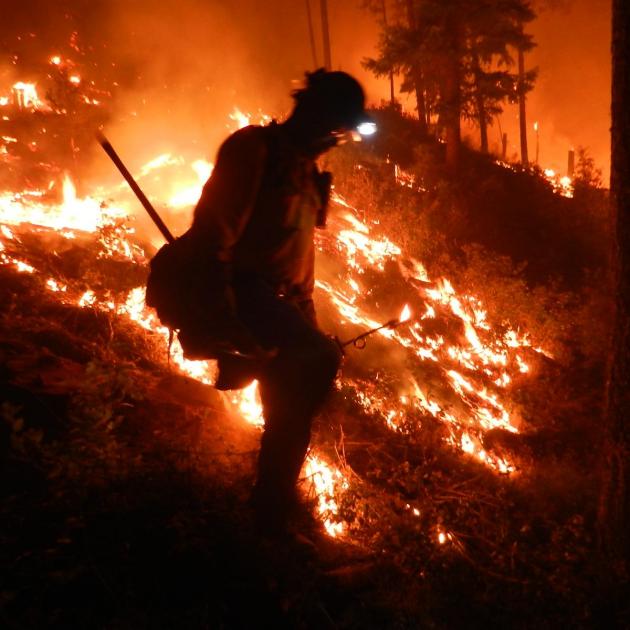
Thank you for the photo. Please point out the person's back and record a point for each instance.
(258, 210)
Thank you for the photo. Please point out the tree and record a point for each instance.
(456, 57)
(614, 510)
(401, 35)
(496, 30)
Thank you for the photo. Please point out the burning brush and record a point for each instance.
(458, 368)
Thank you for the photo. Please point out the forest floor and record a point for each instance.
(125, 485)
(124, 505)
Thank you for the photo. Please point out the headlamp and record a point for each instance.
(366, 128)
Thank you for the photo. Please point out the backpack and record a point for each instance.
(169, 284)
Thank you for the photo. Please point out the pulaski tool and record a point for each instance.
(360, 341)
(142, 198)
(166, 233)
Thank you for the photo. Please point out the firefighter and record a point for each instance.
(250, 272)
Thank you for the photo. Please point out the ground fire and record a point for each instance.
(448, 343)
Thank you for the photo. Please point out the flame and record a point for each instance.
(242, 120)
(26, 96)
(328, 483)
(477, 367)
(247, 402)
(405, 314)
(188, 196)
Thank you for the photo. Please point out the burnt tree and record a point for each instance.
(614, 512)
(521, 107)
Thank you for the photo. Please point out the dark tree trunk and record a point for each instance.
(416, 76)
(482, 117)
(614, 512)
(483, 124)
(311, 34)
(521, 107)
(326, 35)
(451, 95)
(392, 96)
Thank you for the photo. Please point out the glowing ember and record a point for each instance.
(241, 119)
(26, 96)
(247, 402)
(405, 314)
(327, 482)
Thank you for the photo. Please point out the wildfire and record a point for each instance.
(185, 197)
(460, 379)
(561, 185)
(73, 213)
(26, 97)
(243, 120)
(328, 483)
(405, 314)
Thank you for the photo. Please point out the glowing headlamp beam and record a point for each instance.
(367, 129)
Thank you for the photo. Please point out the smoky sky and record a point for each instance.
(181, 66)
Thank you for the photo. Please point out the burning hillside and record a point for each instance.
(456, 460)
(441, 361)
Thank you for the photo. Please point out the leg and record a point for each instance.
(293, 386)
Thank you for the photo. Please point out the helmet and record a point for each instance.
(336, 98)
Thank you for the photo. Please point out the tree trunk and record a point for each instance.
(392, 97)
(416, 76)
(451, 95)
(614, 509)
(420, 102)
(452, 108)
(326, 35)
(481, 106)
(311, 34)
(521, 107)
(483, 125)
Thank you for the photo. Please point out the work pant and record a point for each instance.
(293, 386)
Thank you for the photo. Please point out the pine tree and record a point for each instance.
(456, 55)
(496, 30)
(399, 37)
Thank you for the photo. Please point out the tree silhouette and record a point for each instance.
(456, 56)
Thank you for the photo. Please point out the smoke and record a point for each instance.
(176, 69)
(189, 64)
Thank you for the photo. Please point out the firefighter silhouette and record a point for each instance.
(242, 277)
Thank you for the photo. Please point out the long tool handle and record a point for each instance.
(109, 149)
